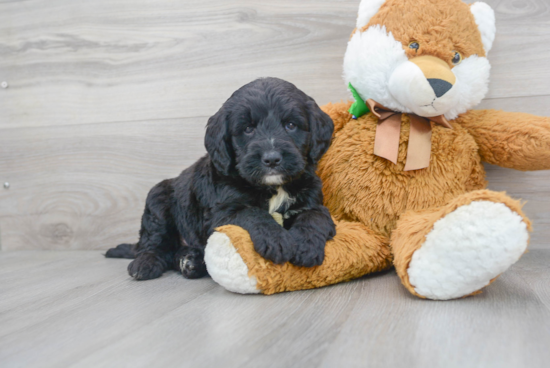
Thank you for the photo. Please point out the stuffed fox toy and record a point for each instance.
(403, 177)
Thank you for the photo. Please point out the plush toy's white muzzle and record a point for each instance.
(424, 96)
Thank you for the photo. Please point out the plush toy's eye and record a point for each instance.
(457, 59)
(414, 45)
(249, 129)
(290, 127)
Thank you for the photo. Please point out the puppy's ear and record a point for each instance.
(321, 128)
(217, 142)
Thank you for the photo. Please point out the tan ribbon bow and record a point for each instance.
(386, 142)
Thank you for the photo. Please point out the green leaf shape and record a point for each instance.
(359, 107)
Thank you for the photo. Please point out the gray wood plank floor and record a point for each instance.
(108, 97)
(77, 309)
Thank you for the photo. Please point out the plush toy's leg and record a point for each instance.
(232, 262)
(455, 250)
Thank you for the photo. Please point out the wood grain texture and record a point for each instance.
(74, 63)
(77, 309)
(86, 189)
(107, 98)
(79, 62)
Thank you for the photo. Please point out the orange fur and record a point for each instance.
(510, 139)
(359, 186)
(412, 20)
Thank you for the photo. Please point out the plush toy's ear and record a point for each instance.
(367, 9)
(217, 142)
(485, 20)
(321, 128)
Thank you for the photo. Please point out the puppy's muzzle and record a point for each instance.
(272, 159)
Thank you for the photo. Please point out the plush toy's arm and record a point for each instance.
(339, 113)
(510, 139)
(233, 263)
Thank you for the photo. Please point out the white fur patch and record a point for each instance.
(410, 87)
(367, 9)
(472, 84)
(273, 180)
(278, 200)
(370, 59)
(226, 266)
(467, 249)
(485, 20)
(377, 66)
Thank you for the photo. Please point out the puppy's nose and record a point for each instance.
(272, 158)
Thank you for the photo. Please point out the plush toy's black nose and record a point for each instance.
(272, 159)
(440, 86)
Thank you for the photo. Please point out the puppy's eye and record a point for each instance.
(414, 45)
(249, 129)
(290, 127)
(457, 59)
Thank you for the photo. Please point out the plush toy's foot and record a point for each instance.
(456, 250)
(226, 266)
(232, 262)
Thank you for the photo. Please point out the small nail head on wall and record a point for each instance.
(6, 185)
(4, 84)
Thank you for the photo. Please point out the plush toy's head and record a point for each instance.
(426, 57)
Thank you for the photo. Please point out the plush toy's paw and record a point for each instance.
(467, 249)
(226, 266)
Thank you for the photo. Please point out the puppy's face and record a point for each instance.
(268, 132)
(270, 138)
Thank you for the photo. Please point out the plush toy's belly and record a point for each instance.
(359, 186)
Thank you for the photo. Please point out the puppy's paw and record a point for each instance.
(277, 246)
(146, 266)
(122, 251)
(310, 249)
(190, 262)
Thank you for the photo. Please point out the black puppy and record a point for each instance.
(263, 146)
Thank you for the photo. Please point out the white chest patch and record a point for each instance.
(278, 200)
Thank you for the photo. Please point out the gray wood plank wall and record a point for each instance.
(107, 98)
